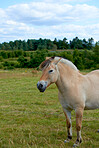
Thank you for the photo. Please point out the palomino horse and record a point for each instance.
(76, 91)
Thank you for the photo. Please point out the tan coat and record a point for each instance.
(76, 91)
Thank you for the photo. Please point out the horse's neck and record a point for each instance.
(66, 77)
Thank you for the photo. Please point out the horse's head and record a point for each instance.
(49, 73)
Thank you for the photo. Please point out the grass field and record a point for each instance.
(30, 119)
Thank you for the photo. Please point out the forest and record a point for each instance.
(21, 54)
(33, 44)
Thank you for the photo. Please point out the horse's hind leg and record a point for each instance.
(79, 115)
(69, 125)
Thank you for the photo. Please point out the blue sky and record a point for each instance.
(34, 19)
(5, 4)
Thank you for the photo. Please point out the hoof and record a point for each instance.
(66, 141)
(76, 145)
(98, 131)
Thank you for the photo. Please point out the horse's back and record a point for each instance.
(94, 77)
(95, 72)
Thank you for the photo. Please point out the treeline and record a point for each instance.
(40, 44)
(83, 59)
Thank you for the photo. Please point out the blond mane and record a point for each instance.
(65, 61)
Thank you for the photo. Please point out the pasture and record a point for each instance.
(30, 119)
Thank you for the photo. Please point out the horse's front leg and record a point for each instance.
(79, 116)
(69, 125)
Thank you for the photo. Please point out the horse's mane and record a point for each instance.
(67, 62)
(62, 60)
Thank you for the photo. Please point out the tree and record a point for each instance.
(7, 46)
(25, 46)
(96, 49)
(2, 47)
(65, 44)
(11, 45)
(96, 55)
(90, 43)
(55, 41)
(16, 44)
(85, 43)
(76, 43)
(30, 45)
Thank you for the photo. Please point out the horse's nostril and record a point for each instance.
(41, 85)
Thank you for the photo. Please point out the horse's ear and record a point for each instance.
(56, 62)
(46, 62)
(50, 58)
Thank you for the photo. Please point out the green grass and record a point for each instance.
(30, 119)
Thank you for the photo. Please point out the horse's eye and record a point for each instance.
(50, 71)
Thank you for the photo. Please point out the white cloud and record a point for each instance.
(49, 20)
(40, 13)
(70, 31)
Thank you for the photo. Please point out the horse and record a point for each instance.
(76, 91)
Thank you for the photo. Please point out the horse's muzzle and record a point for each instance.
(42, 85)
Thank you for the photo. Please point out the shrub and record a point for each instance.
(4, 54)
(1, 66)
(36, 58)
(78, 62)
(18, 53)
(23, 63)
(6, 64)
(97, 66)
(66, 55)
(10, 65)
(1, 58)
(77, 59)
(88, 63)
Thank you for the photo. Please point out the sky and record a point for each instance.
(50, 19)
